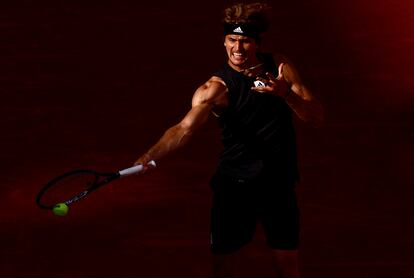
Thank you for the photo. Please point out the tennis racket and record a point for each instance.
(74, 186)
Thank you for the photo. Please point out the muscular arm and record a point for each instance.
(208, 97)
(306, 106)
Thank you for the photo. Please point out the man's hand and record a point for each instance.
(144, 161)
(274, 85)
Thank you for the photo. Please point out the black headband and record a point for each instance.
(241, 29)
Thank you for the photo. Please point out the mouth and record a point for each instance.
(240, 57)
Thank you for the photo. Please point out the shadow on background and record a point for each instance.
(94, 85)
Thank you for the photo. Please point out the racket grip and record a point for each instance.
(136, 169)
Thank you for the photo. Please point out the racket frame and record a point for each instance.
(97, 183)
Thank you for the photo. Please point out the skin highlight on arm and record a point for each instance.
(209, 97)
(306, 106)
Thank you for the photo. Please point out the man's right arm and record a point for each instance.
(208, 97)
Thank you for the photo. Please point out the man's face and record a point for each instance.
(241, 50)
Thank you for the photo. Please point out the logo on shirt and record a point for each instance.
(259, 83)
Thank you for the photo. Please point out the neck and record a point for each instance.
(251, 70)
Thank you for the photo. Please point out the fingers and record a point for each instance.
(280, 70)
(138, 162)
(271, 83)
(263, 80)
(270, 77)
(145, 166)
(277, 86)
(262, 89)
(143, 160)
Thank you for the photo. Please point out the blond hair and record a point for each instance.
(253, 14)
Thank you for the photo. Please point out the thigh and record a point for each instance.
(233, 218)
(279, 216)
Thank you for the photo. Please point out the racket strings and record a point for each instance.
(67, 187)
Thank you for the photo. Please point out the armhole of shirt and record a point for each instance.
(222, 74)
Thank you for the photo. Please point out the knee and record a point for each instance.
(224, 266)
(286, 259)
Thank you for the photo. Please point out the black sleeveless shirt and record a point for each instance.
(257, 129)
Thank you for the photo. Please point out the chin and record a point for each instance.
(238, 63)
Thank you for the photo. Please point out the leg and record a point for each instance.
(280, 219)
(286, 263)
(233, 224)
(224, 266)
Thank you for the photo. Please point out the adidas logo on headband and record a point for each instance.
(247, 30)
(238, 30)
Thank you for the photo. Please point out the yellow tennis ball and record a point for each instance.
(60, 209)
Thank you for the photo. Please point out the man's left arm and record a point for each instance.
(300, 99)
(289, 86)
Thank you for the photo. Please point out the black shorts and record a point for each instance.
(239, 204)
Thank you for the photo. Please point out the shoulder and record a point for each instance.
(211, 91)
(214, 83)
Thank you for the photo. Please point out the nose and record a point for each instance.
(237, 46)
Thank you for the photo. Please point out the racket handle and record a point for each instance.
(135, 170)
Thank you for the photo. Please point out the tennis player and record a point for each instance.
(253, 96)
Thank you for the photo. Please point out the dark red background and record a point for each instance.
(93, 85)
